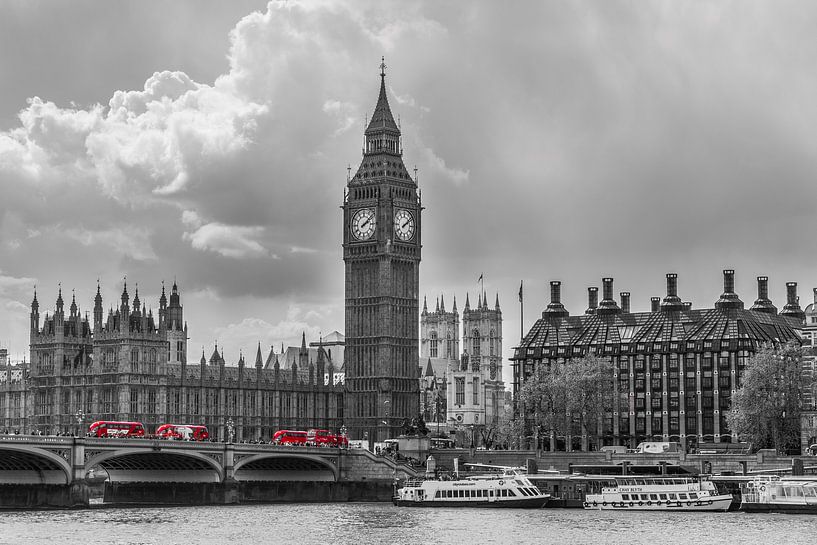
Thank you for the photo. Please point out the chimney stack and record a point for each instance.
(686, 305)
(608, 304)
(592, 300)
(729, 299)
(655, 304)
(792, 307)
(555, 309)
(763, 303)
(625, 302)
(672, 301)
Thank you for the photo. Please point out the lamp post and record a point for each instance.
(345, 441)
(80, 418)
(230, 425)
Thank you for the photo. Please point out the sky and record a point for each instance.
(208, 143)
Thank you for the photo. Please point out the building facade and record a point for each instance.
(133, 367)
(469, 379)
(675, 368)
(381, 252)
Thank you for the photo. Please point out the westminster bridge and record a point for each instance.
(62, 472)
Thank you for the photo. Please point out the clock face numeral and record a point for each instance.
(404, 225)
(363, 224)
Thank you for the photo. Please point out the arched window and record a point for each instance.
(475, 341)
(433, 344)
(492, 349)
(448, 345)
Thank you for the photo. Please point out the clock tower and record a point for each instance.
(381, 252)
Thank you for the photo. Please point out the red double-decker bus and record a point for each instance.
(183, 432)
(289, 437)
(106, 428)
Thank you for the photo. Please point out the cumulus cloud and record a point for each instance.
(228, 240)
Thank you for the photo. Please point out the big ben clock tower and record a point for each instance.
(381, 252)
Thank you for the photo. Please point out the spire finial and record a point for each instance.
(383, 66)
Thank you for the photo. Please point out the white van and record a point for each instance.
(657, 447)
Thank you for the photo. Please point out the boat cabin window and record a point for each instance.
(693, 496)
(682, 496)
(437, 494)
(625, 497)
(662, 496)
(673, 497)
(645, 497)
(653, 497)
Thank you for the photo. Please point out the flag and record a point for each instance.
(480, 278)
(520, 292)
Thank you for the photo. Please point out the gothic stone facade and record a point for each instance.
(133, 367)
(675, 368)
(381, 252)
(470, 381)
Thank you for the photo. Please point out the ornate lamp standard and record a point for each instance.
(343, 431)
(80, 418)
(230, 425)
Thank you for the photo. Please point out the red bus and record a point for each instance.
(289, 437)
(104, 428)
(325, 438)
(183, 432)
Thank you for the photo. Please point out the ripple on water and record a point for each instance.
(378, 523)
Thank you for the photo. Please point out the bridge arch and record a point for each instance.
(141, 465)
(285, 467)
(22, 464)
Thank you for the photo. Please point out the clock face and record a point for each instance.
(363, 224)
(404, 225)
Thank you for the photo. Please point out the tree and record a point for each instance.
(766, 408)
(563, 398)
(509, 429)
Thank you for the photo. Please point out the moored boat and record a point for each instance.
(772, 493)
(511, 489)
(660, 493)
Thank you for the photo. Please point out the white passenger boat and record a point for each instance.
(660, 494)
(511, 489)
(771, 493)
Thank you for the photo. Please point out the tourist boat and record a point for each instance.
(771, 493)
(510, 489)
(660, 494)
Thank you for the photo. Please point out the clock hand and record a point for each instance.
(404, 225)
(365, 223)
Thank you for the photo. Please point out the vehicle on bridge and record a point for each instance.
(106, 428)
(183, 432)
(289, 437)
(325, 438)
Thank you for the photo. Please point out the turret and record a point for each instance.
(35, 314)
(98, 310)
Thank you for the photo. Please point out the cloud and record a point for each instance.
(132, 241)
(228, 240)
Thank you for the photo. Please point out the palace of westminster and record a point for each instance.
(675, 367)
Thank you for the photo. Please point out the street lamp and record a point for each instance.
(343, 430)
(230, 425)
(80, 418)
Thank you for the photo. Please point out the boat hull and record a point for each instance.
(714, 503)
(778, 508)
(520, 503)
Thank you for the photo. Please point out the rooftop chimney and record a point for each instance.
(792, 307)
(555, 309)
(625, 302)
(686, 305)
(672, 301)
(763, 303)
(592, 300)
(729, 299)
(655, 304)
(608, 304)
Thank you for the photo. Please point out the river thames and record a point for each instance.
(380, 523)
